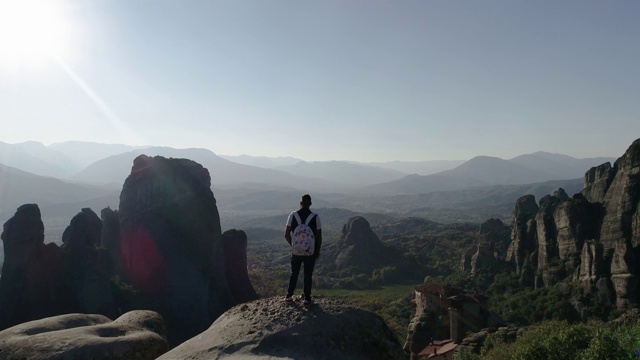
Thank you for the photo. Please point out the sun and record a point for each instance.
(32, 32)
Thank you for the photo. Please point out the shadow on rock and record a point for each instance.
(269, 328)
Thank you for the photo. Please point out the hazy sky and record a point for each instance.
(360, 80)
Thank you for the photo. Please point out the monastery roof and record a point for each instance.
(438, 347)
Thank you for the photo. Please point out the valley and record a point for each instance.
(418, 229)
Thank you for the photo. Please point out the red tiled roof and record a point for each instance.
(441, 342)
(435, 347)
(449, 347)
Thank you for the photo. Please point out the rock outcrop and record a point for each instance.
(493, 244)
(593, 238)
(88, 267)
(41, 280)
(171, 243)
(110, 238)
(271, 329)
(139, 335)
(235, 260)
(359, 248)
(597, 181)
(163, 250)
(423, 328)
(547, 232)
(31, 274)
(620, 229)
(524, 231)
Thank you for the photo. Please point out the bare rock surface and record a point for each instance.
(136, 335)
(524, 231)
(234, 244)
(171, 247)
(593, 236)
(41, 280)
(493, 244)
(272, 329)
(597, 181)
(31, 273)
(87, 267)
(358, 247)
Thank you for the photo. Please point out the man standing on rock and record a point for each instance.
(304, 234)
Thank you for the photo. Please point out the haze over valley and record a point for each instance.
(65, 177)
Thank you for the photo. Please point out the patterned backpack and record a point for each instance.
(303, 240)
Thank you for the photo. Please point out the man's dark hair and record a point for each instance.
(306, 199)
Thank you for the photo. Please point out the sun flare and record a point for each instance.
(32, 32)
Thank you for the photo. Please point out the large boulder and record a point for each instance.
(30, 286)
(137, 335)
(272, 329)
(171, 243)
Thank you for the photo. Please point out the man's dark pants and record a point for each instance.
(296, 261)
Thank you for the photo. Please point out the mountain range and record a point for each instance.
(485, 171)
(64, 177)
(110, 163)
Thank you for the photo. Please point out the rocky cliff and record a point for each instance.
(171, 246)
(592, 238)
(272, 329)
(359, 247)
(164, 243)
(360, 251)
(494, 240)
(235, 260)
(620, 224)
(137, 335)
(523, 233)
(87, 268)
(32, 271)
(40, 280)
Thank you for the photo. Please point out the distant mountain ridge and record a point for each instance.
(114, 169)
(343, 171)
(59, 160)
(418, 167)
(66, 161)
(496, 171)
(85, 153)
(19, 187)
(262, 161)
(35, 158)
(564, 166)
(486, 170)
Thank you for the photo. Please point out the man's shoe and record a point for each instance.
(308, 302)
(288, 299)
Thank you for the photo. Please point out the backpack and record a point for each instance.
(303, 240)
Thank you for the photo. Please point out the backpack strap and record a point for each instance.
(308, 221)
(295, 214)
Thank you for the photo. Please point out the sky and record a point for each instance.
(361, 80)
